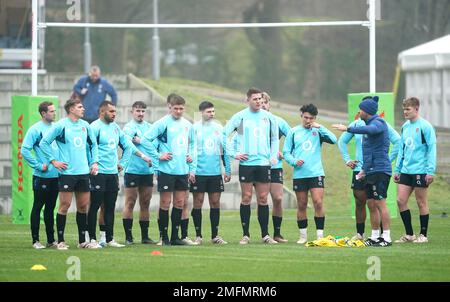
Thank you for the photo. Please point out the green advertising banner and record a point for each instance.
(24, 115)
(385, 110)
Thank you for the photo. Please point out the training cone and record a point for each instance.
(38, 267)
(156, 253)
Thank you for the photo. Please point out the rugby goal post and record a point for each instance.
(370, 24)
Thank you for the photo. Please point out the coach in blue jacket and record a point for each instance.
(376, 167)
(92, 89)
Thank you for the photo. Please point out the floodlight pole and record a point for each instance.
(34, 44)
(372, 45)
(87, 42)
(155, 40)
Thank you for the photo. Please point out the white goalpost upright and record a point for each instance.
(42, 25)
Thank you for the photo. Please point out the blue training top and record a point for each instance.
(95, 95)
(31, 142)
(375, 145)
(258, 136)
(109, 137)
(211, 149)
(76, 144)
(283, 130)
(177, 137)
(306, 144)
(133, 164)
(417, 153)
(346, 137)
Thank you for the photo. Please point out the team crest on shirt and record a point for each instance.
(314, 133)
(265, 120)
(216, 133)
(83, 129)
(186, 129)
(417, 130)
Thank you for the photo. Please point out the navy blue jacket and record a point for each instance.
(96, 94)
(375, 145)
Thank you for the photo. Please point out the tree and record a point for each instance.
(267, 42)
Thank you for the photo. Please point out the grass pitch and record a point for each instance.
(232, 262)
(255, 262)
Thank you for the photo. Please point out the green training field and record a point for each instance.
(254, 262)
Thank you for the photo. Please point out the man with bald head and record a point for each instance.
(92, 89)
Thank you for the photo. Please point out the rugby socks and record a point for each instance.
(245, 218)
(176, 220)
(159, 228)
(49, 215)
(60, 226)
(320, 223)
(214, 217)
(386, 235)
(303, 225)
(375, 235)
(94, 205)
(102, 232)
(360, 228)
(35, 217)
(197, 217)
(406, 217)
(424, 224)
(82, 226)
(276, 220)
(164, 223)
(263, 219)
(128, 227)
(110, 206)
(144, 228)
(184, 228)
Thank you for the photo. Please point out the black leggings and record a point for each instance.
(41, 198)
(109, 199)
